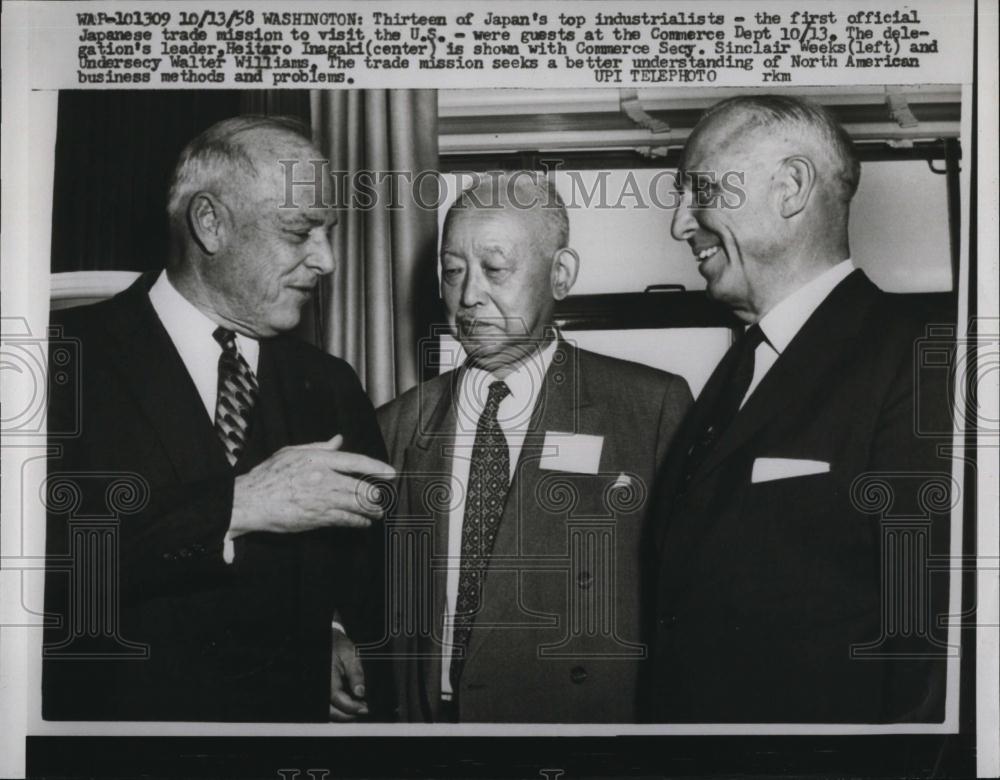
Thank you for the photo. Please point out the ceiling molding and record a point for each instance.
(512, 120)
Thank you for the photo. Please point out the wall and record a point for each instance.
(899, 236)
(899, 229)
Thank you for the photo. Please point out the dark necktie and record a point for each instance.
(734, 388)
(489, 479)
(237, 392)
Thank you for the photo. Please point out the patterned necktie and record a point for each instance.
(489, 479)
(237, 393)
(728, 404)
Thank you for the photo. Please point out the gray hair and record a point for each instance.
(223, 153)
(798, 116)
(523, 190)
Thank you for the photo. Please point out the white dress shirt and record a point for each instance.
(191, 331)
(513, 416)
(781, 324)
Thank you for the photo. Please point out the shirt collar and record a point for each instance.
(189, 327)
(781, 324)
(525, 383)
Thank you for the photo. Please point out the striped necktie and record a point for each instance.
(237, 392)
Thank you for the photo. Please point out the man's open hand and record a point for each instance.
(306, 487)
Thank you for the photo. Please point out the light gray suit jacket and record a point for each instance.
(559, 635)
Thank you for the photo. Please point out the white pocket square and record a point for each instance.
(770, 469)
(623, 481)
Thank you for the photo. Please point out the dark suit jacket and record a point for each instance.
(558, 636)
(764, 588)
(173, 632)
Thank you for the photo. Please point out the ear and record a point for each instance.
(207, 220)
(565, 267)
(797, 178)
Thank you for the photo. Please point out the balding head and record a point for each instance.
(246, 248)
(527, 194)
(795, 125)
(505, 261)
(795, 172)
(231, 156)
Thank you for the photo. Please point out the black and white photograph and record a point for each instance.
(448, 424)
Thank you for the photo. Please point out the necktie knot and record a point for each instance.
(498, 391)
(753, 337)
(226, 338)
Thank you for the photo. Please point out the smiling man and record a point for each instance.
(776, 580)
(530, 466)
(252, 543)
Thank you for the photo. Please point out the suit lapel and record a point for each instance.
(559, 407)
(163, 389)
(562, 403)
(562, 397)
(805, 362)
(287, 397)
(802, 368)
(668, 481)
(427, 461)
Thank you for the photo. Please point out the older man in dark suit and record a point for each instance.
(781, 596)
(248, 543)
(525, 478)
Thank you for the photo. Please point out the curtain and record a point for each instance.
(276, 102)
(115, 151)
(382, 299)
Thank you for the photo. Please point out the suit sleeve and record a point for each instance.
(169, 538)
(677, 400)
(358, 422)
(675, 404)
(362, 558)
(176, 542)
(388, 417)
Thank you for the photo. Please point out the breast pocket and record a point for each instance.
(782, 495)
(796, 513)
(804, 543)
(572, 495)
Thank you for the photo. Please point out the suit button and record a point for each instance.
(668, 621)
(578, 674)
(584, 580)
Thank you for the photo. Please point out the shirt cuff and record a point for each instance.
(228, 551)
